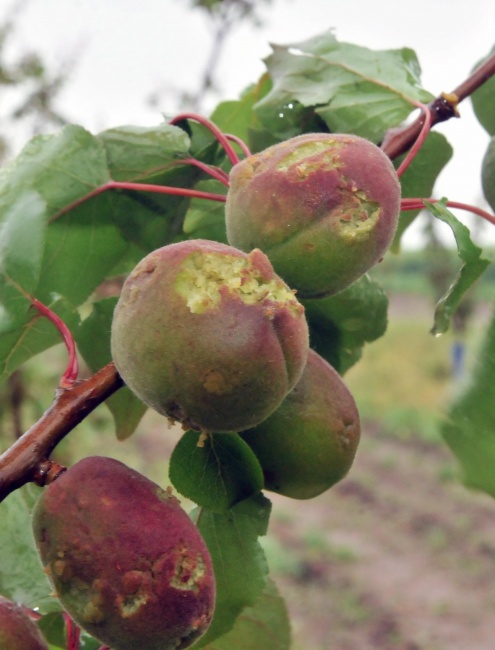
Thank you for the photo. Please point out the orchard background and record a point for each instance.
(399, 554)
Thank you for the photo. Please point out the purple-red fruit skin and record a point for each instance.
(323, 207)
(125, 560)
(223, 368)
(309, 443)
(17, 630)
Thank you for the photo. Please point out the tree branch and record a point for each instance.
(27, 459)
(399, 140)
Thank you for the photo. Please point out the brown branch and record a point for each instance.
(27, 459)
(399, 140)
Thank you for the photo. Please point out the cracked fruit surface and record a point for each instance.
(125, 560)
(309, 443)
(209, 335)
(323, 207)
(17, 630)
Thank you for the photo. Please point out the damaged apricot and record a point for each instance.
(125, 560)
(209, 335)
(17, 630)
(323, 207)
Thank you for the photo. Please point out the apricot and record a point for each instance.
(323, 207)
(125, 560)
(17, 630)
(309, 443)
(209, 335)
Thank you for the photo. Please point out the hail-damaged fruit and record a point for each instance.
(323, 207)
(125, 560)
(17, 630)
(209, 336)
(309, 443)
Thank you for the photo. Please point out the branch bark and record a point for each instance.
(398, 141)
(27, 459)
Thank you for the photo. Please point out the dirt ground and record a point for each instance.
(398, 556)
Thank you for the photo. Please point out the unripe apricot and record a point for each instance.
(17, 630)
(208, 335)
(309, 443)
(488, 174)
(126, 562)
(323, 207)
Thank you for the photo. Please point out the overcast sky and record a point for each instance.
(125, 50)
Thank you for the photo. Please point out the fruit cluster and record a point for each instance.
(213, 336)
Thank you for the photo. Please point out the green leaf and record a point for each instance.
(93, 340)
(354, 89)
(81, 249)
(419, 178)
(237, 116)
(53, 627)
(21, 574)
(21, 248)
(35, 335)
(62, 168)
(340, 325)
(472, 268)
(469, 429)
(262, 626)
(483, 99)
(206, 219)
(216, 475)
(238, 559)
(138, 152)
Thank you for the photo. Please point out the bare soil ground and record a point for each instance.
(398, 556)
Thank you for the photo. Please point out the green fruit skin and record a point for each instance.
(488, 174)
(223, 370)
(310, 442)
(125, 560)
(482, 100)
(17, 630)
(301, 203)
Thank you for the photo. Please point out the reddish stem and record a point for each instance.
(244, 148)
(219, 135)
(215, 172)
(419, 204)
(419, 141)
(73, 633)
(139, 187)
(72, 370)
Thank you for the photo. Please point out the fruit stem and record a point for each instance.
(72, 370)
(213, 171)
(419, 204)
(139, 187)
(219, 135)
(73, 633)
(244, 148)
(419, 140)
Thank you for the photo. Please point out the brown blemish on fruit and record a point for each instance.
(217, 383)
